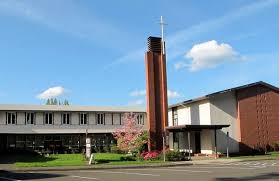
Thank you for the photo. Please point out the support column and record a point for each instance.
(228, 144)
(215, 143)
(189, 145)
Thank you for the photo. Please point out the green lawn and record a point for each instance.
(74, 160)
(107, 157)
(50, 161)
(269, 155)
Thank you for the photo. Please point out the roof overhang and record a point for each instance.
(182, 128)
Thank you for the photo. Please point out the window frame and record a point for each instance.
(140, 119)
(62, 118)
(45, 120)
(11, 121)
(81, 118)
(103, 120)
(34, 118)
(174, 116)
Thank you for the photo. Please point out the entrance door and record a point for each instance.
(198, 142)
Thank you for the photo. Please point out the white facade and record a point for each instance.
(113, 118)
(216, 110)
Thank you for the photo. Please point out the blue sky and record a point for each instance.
(92, 52)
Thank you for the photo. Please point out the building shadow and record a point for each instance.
(11, 158)
(27, 176)
(267, 176)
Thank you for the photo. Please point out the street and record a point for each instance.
(237, 171)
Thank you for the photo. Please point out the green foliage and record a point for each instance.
(114, 149)
(55, 101)
(128, 158)
(174, 155)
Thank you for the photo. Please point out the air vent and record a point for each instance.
(154, 44)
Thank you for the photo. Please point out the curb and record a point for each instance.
(95, 168)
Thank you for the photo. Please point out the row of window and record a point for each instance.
(30, 118)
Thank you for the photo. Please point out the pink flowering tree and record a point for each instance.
(130, 137)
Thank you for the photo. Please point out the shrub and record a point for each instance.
(128, 158)
(151, 155)
(277, 145)
(174, 155)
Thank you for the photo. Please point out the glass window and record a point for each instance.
(11, 118)
(100, 118)
(66, 118)
(48, 118)
(82, 118)
(174, 116)
(29, 118)
(140, 119)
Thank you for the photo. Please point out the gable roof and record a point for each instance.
(225, 91)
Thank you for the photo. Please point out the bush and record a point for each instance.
(128, 158)
(115, 149)
(277, 145)
(174, 155)
(151, 155)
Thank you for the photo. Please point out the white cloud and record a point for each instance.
(137, 93)
(177, 41)
(52, 93)
(173, 94)
(209, 55)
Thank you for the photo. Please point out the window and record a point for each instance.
(29, 118)
(48, 118)
(100, 118)
(83, 118)
(11, 118)
(66, 118)
(140, 119)
(174, 116)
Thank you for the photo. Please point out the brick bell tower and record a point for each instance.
(156, 92)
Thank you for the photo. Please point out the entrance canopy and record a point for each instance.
(182, 128)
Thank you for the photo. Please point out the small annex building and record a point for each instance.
(240, 119)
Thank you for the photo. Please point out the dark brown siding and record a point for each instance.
(258, 114)
(156, 91)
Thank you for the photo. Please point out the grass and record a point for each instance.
(74, 160)
(107, 157)
(269, 155)
(50, 161)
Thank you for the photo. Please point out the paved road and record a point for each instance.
(237, 171)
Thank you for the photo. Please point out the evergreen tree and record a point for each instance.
(66, 102)
(55, 102)
(51, 101)
(48, 102)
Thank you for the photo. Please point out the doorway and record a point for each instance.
(197, 142)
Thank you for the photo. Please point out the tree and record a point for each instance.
(55, 102)
(66, 102)
(48, 102)
(130, 137)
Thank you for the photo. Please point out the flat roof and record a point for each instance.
(225, 91)
(70, 108)
(195, 127)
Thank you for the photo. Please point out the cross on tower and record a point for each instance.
(162, 23)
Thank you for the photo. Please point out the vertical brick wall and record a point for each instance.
(258, 115)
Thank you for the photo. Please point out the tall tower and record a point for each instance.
(156, 91)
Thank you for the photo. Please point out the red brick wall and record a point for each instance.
(258, 116)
